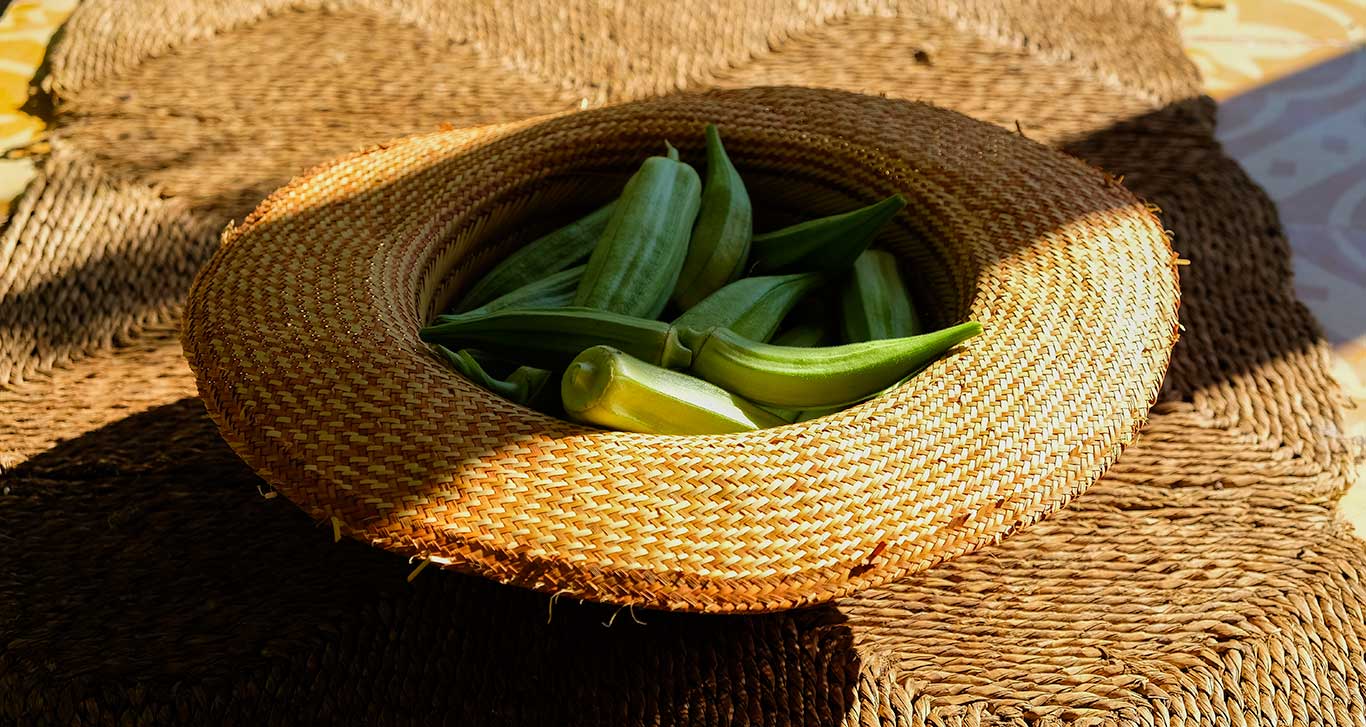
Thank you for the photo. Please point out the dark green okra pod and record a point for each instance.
(719, 247)
(521, 386)
(552, 337)
(751, 307)
(828, 244)
(634, 267)
(553, 291)
(874, 303)
(544, 256)
(802, 335)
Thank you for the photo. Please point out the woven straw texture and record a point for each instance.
(145, 579)
(358, 421)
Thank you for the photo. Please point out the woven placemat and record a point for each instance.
(147, 578)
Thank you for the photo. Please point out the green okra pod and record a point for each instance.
(553, 291)
(563, 248)
(874, 303)
(608, 388)
(828, 244)
(751, 307)
(551, 337)
(719, 248)
(521, 386)
(635, 265)
(814, 378)
(802, 335)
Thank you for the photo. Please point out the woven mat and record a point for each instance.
(146, 578)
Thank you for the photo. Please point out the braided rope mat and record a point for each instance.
(146, 580)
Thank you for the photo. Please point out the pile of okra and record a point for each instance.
(582, 305)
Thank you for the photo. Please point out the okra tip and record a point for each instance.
(954, 335)
(671, 152)
(586, 379)
(431, 334)
(895, 201)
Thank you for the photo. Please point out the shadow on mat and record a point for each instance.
(1238, 305)
(145, 552)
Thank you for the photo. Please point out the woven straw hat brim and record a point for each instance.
(302, 335)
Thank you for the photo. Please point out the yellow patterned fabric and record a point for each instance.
(25, 30)
(1242, 45)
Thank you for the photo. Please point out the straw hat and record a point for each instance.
(302, 335)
